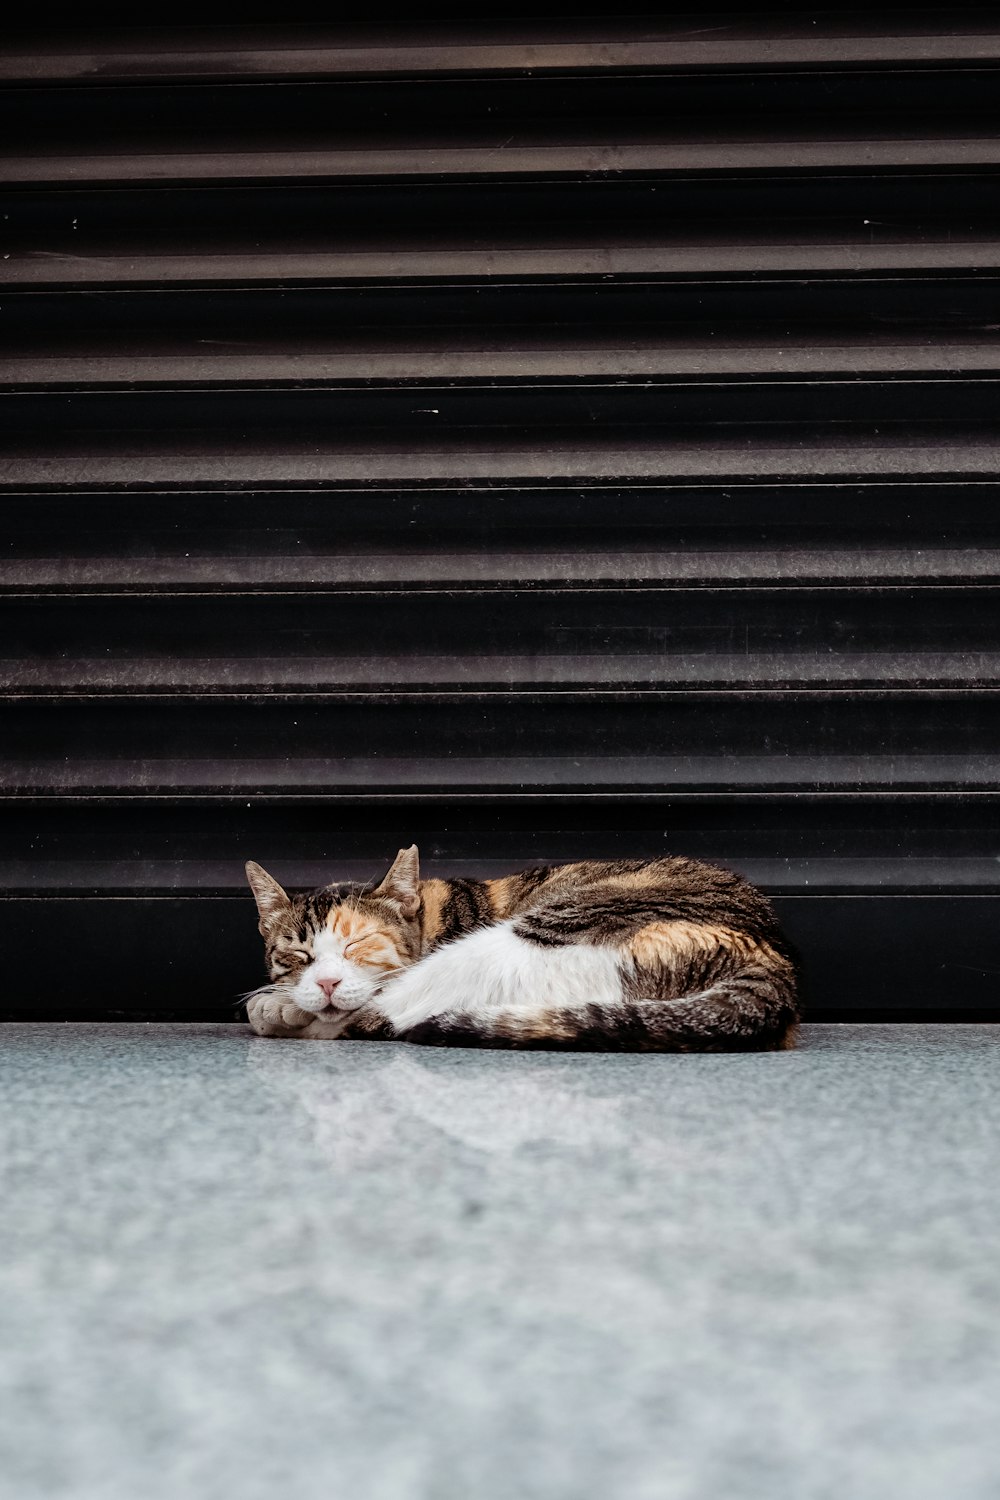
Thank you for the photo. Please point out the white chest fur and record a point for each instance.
(493, 971)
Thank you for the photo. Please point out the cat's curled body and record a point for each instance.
(668, 955)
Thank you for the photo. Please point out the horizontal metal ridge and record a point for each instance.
(331, 163)
(383, 778)
(863, 254)
(458, 506)
(247, 460)
(494, 567)
(693, 41)
(198, 879)
(808, 825)
(531, 356)
(542, 640)
(490, 701)
(384, 674)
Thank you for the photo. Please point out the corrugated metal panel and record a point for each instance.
(536, 439)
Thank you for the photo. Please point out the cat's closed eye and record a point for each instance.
(290, 956)
(366, 943)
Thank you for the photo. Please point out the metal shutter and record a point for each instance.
(536, 439)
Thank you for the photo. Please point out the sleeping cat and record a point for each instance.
(667, 955)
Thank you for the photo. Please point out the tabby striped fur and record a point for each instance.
(644, 955)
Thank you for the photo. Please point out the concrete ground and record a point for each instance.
(241, 1268)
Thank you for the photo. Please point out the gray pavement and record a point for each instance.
(232, 1267)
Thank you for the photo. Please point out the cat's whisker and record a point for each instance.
(388, 974)
(262, 989)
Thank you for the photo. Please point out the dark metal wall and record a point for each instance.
(535, 440)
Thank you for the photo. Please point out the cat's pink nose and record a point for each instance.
(328, 986)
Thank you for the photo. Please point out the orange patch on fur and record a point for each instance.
(433, 894)
(363, 943)
(673, 940)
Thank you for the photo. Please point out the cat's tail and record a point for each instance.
(752, 1010)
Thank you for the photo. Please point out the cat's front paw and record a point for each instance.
(271, 1014)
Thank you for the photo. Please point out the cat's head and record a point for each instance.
(332, 950)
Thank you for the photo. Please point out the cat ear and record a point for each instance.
(270, 898)
(402, 884)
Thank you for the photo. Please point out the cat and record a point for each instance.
(668, 955)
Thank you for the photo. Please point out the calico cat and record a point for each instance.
(667, 955)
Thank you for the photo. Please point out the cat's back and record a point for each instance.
(673, 886)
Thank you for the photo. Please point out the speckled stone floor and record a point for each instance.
(241, 1268)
